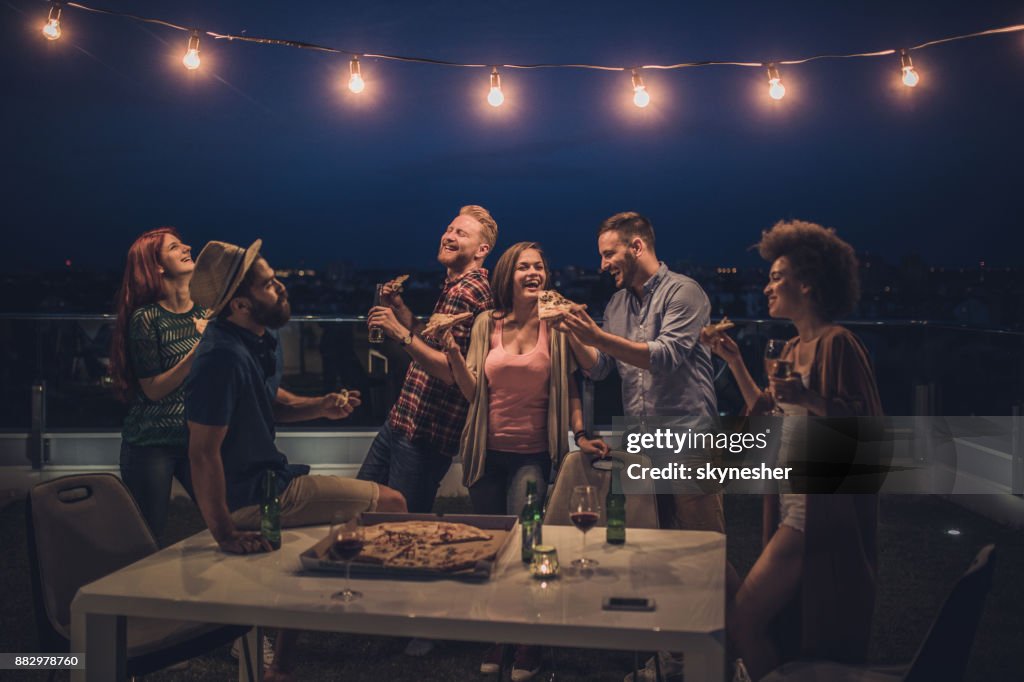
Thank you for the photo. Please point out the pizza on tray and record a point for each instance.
(551, 305)
(441, 322)
(436, 545)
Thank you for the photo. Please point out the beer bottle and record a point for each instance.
(615, 503)
(530, 521)
(270, 511)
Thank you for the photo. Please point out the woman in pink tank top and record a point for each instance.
(524, 400)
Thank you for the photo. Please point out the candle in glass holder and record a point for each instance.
(544, 564)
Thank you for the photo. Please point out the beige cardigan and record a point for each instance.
(473, 448)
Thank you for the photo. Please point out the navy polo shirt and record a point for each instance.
(233, 382)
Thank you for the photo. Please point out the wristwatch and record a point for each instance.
(581, 434)
(406, 340)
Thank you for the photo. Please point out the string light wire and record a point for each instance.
(599, 67)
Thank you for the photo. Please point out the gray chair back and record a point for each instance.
(947, 648)
(83, 528)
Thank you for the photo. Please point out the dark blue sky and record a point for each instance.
(106, 134)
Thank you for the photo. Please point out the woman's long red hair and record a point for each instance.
(141, 285)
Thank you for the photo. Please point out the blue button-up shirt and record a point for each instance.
(233, 382)
(668, 318)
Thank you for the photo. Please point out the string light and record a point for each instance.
(641, 97)
(910, 76)
(191, 58)
(775, 87)
(355, 81)
(495, 97)
(52, 28)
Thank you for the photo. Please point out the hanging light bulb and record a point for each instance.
(355, 81)
(910, 77)
(191, 58)
(495, 97)
(52, 28)
(775, 87)
(641, 97)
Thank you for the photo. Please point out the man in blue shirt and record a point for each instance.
(233, 397)
(651, 335)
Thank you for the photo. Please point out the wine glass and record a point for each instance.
(346, 543)
(775, 367)
(585, 511)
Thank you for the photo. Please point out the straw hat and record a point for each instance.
(219, 270)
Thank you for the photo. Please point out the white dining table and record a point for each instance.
(682, 571)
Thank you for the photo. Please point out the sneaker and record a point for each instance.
(268, 651)
(419, 647)
(527, 663)
(493, 659)
(671, 669)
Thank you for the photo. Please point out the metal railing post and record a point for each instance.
(37, 445)
(1017, 451)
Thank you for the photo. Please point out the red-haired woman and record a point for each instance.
(157, 329)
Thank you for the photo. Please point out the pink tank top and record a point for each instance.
(518, 387)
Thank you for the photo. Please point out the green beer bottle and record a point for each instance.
(270, 511)
(615, 503)
(530, 521)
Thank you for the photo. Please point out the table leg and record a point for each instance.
(255, 640)
(102, 639)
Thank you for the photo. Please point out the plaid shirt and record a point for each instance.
(428, 411)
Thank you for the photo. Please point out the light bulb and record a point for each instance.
(641, 97)
(52, 28)
(191, 58)
(775, 87)
(495, 97)
(355, 81)
(910, 77)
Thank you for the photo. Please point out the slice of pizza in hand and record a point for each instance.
(708, 333)
(442, 322)
(398, 284)
(551, 305)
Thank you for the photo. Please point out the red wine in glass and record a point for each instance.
(584, 520)
(347, 549)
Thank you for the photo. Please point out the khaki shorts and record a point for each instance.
(313, 501)
(692, 512)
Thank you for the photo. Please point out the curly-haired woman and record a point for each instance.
(816, 573)
(155, 336)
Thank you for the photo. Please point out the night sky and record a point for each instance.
(106, 134)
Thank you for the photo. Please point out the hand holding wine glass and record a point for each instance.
(346, 543)
(585, 512)
(775, 367)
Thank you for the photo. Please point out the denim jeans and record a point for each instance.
(502, 488)
(147, 471)
(413, 469)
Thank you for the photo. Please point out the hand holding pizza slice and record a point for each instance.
(551, 305)
(709, 333)
(441, 322)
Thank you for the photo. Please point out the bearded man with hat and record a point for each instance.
(233, 397)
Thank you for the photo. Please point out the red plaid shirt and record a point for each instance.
(428, 411)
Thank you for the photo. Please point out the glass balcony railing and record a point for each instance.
(921, 369)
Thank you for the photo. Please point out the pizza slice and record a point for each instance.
(551, 305)
(451, 533)
(397, 284)
(708, 333)
(442, 322)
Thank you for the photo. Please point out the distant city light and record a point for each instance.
(191, 58)
(953, 531)
(495, 97)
